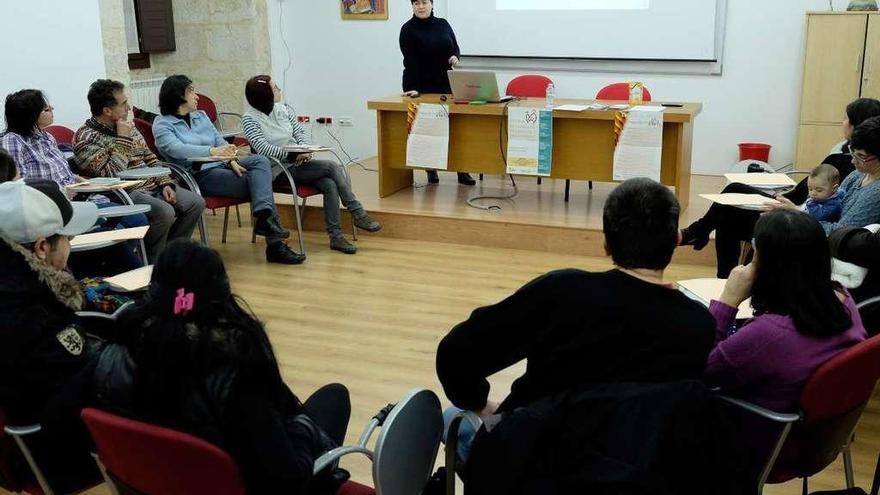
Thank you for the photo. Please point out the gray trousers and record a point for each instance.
(168, 222)
(256, 184)
(330, 178)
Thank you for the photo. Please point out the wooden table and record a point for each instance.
(583, 142)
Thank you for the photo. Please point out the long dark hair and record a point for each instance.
(177, 355)
(793, 274)
(23, 110)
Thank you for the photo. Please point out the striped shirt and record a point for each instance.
(255, 135)
(38, 157)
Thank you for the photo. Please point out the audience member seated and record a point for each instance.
(183, 131)
(108, 144)
(37, 156)
(861, 247)
(202, 363)
(802, 318)
(861, 203)
(825, 200)
(46, 361)
(269, 125)
(578, 328)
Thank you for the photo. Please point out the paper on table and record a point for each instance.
(529, 141)
(706, 289)
(640, 149)
(572, 108)
(305, 148)
(110, 235)
(132, 280)
(428, 143)
(758, 180)
(739, 199)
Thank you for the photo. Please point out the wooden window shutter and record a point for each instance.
(155, 20)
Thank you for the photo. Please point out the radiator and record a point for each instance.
(144, 94)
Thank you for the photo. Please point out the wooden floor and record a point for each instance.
(373, 320)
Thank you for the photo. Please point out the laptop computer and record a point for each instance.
(475, 85)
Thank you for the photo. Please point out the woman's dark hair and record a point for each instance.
(176, 354)
(640, 222)
(172, 94)
(23, 110)
(8, 169)
(793, 274)
(259, 94)
(867, 136)
(861, 110)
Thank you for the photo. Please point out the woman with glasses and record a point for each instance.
(429, 50)
(733, 225)
(802, 318)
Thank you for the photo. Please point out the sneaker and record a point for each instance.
(278, 252)
(690, 238)
(342, 245)
(270, 227)
(368, 223)
(466, 179)
(433, 176)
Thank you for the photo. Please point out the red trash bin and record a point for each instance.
(754, 151)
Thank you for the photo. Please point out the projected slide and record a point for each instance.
(571, 4)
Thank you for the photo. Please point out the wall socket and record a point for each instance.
(345, 122)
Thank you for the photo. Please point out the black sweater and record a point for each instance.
(427, 45)
(576, 328)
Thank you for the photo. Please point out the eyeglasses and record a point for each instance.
(863, 159)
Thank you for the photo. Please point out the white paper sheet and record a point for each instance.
(110, 235)
(572, 108)
(740, 199)
(529, 141)
(640, 148)
(428, 143)
(706, 289)
(762, 180)
(132, 280)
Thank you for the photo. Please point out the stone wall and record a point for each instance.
(220, 45)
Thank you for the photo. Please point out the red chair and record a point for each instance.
(207, 105)
(831, 403)
(304, 192)
(61, 134)
(529, 86)
(620, 91)
(153, 460)
(211, 202)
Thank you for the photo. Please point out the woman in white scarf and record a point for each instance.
(269, 125)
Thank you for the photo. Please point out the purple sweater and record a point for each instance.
(767, 361)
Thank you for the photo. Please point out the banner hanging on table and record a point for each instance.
(529, 141)
(639, 150)
(428, 143)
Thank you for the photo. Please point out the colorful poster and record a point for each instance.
(529, 141)
(428, 143)
(640, 147)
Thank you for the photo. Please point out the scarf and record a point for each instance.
(275, 126)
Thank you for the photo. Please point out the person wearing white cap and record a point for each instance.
(46, 362)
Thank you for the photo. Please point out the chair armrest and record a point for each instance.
(761, 411)
(231, 114)
(21, 431)
(451, 454)
(185, 176)
(868, 302)
(333, 455)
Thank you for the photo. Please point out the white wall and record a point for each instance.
(54, 46)
(338, 65)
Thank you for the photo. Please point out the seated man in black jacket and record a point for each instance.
(45, 361)
(577, 328)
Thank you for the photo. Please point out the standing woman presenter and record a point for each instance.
(429, 50)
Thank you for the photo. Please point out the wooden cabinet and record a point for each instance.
(842, 52)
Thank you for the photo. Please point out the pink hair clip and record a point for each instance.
(184, 302)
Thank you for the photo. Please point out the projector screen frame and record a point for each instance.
(713, 66)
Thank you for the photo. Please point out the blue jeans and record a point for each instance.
(467, 430)
(255, 185)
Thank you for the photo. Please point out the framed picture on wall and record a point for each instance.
(364, 9)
